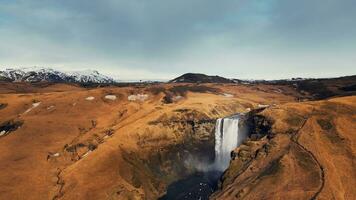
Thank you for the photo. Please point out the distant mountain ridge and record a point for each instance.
(200, 78)
(39, 74)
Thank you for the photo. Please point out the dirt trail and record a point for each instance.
(322, 172)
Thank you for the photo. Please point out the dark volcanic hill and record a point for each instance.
(200, 78)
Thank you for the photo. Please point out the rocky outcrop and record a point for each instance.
(258, 125)
(9, 126)
(178, 159)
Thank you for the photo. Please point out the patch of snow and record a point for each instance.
(51, 155)
(2, 133)
(177, 98)
(50, 107)
(89, 76)
(110, 97)
(139, 97)
(55, 154)
(87, 153)
(91, 98)
(228, 95)
(262, 106)
(34, 105)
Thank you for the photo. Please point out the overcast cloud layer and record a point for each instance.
(137, 39)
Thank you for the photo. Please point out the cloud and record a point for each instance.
(164, 38)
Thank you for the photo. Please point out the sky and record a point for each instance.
(161, 39)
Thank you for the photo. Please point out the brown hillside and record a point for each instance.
(310, 154)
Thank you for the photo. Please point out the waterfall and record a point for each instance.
(227, 138)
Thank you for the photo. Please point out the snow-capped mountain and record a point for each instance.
(37, 74)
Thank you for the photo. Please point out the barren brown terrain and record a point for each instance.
(308, 154)
(68, 142)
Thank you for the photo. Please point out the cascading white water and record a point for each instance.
(227, 138)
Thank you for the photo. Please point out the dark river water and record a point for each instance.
(198, 186)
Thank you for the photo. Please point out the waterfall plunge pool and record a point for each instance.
(201, 184)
